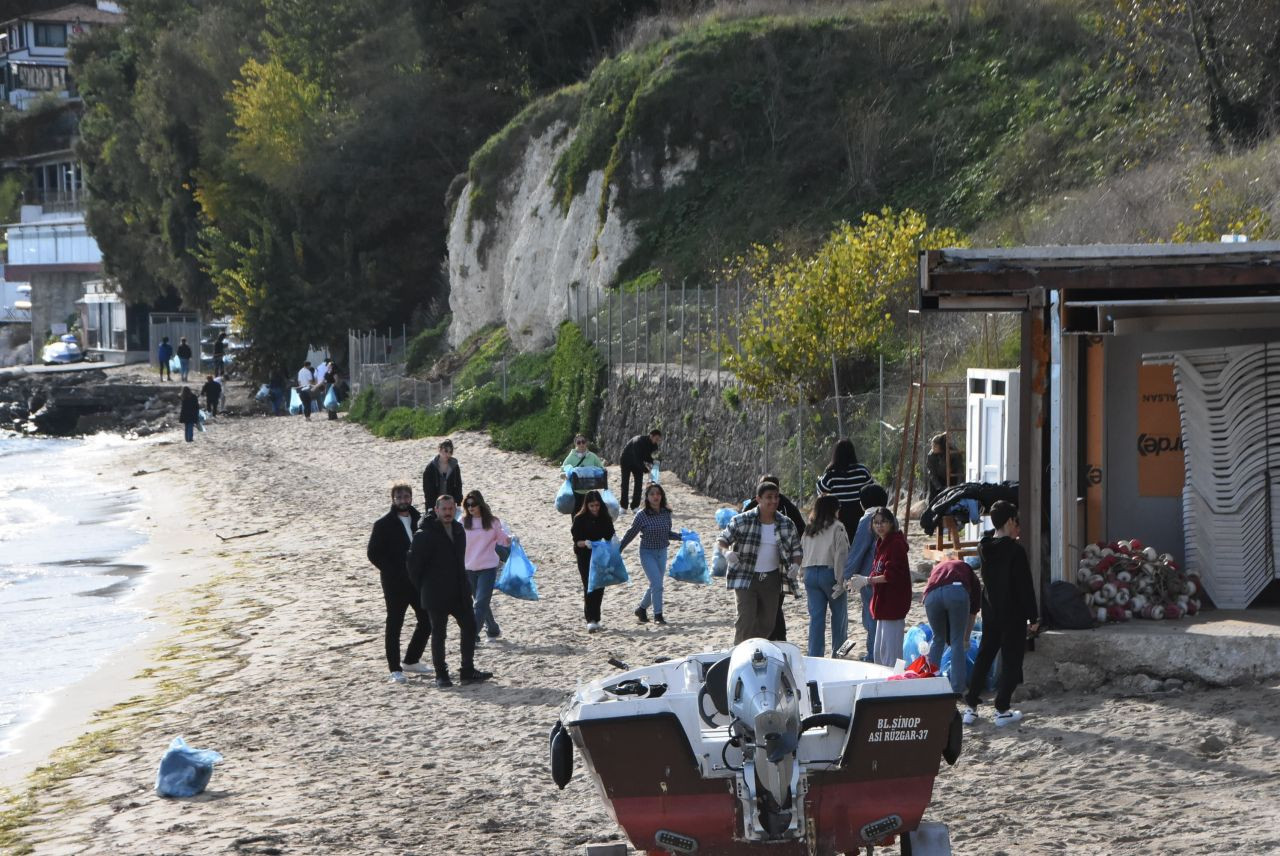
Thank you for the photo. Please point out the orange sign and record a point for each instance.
(1160, 456)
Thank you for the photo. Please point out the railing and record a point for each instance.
(12, 315)
(56, 200)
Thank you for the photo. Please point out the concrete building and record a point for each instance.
(1109, 338)
(50, 246)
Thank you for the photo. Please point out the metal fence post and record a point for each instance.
(608, 308)
(682, 306)
(800, 450)
(635, 343)
(737, 329)
(717, 287)
(699, 351)
(766, 436)
(666, 329)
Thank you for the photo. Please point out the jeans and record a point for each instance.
(820, 587)
(189, 428)
(868, 623)
(948, 610)
(184, 366)
(482, 590)
(654, 562)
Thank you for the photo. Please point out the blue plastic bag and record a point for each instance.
(971, 657)
(331, 400)
(654, 472)
(719, 565)
(690, 562)
(263, 393)
(607, 567)
(724, 516)
(916, 642)
(564, 498)
(184, 772)
(295, 402)
(516, 578)
(611, 503)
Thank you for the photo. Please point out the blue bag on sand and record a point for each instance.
(295, 402)
(564, 498)
(331, 400)
(719, 565)
(611, 503)
(690, 562)
(724, 516)
(184, 772)
(654, 472)
(516, 578)
(916, 642)
(971, 657)
(607, 567)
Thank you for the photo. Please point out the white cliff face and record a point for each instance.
(538, 267)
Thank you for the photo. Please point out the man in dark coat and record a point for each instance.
(636, 459)
(388, 545)
(1008, 603)
(436, 568)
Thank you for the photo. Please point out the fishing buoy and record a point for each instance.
(1096, 582)
(1122, 596)
(1154, 611)
(1172, 610)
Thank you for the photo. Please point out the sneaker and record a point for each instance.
(970, 716)
(396, 678)
(417, 668)
(443, 681)
(494, 634)
(1008, 717)
(642, 614)
(475, 676)
(658, 619)
(593, 626)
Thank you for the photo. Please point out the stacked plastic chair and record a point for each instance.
(1229, 401)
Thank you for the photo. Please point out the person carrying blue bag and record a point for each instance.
(689, 565)
(592, 523)
(653, 524)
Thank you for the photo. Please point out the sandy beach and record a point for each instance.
(270, 652)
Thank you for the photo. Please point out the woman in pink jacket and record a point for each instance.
(484, 534)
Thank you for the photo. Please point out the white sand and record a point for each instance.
(278, 664)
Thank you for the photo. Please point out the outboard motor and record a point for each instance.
(765, 705)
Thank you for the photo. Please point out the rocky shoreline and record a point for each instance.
(87, 401)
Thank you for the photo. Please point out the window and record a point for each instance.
(51, 35)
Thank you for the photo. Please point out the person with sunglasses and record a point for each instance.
(485, 533)
(1008, 604)
(581, 456)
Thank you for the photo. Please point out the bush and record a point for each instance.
(426, 345)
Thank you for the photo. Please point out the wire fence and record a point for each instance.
(378, 359)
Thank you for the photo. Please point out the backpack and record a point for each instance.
(1066, 608)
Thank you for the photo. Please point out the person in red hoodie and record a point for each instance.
(891, 581)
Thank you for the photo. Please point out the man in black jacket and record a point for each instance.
(435, 564)
(388, 545)
(1008, 603)
(636, 459)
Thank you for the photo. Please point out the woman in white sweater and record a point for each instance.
(825, 544)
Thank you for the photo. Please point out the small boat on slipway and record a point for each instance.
(763, 750)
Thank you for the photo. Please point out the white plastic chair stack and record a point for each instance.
(1229, 401)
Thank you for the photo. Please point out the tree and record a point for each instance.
(836, 304)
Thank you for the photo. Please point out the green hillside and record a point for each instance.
(802, 120)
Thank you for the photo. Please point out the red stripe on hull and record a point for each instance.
(838, 810)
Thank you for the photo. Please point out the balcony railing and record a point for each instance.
(53, 201)
(11, 315)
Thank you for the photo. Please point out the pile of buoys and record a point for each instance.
(1125, 579)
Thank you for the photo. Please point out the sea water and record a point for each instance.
(64, 581)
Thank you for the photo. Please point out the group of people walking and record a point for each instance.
(444, 568)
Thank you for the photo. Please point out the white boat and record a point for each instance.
(763, 749)
(65, 350)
